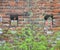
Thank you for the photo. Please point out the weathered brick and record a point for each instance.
(38, 8)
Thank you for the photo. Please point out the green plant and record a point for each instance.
(11, 32)
(56, 33)
(58, 45)
(6, 46)
(28, 38)
(52, 48)
(38, 46)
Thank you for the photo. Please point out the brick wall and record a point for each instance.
(35, 8)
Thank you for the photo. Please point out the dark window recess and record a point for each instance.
(14, 17)
(47, 16)
(14, 20)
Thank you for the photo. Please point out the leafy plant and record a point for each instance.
(52, 48)
(11, 32)
(58, 45)
(6, 46)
